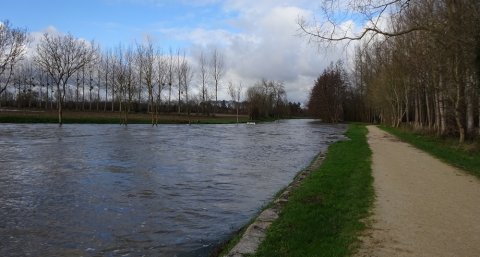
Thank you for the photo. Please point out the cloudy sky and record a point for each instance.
(259, 38)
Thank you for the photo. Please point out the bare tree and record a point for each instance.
(235, 93)
(146, 63)
(115, 88)
(267, 99)
(170, 77)
(83, 88)
(162, 80)
(180, 78)
(77, 92)
(90, 85)
(12, 48)
(187, 75)
(124, 81)
(217, 70)
(99, 78)
(106, 69)
(61, 56)
(26, 80)
(202, 59)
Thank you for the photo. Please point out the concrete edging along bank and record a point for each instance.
(256, 231)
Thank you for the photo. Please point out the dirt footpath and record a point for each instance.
(423, 207)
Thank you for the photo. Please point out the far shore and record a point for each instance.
(100, 117)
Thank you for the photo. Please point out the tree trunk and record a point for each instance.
(443, 118)
(436, 105)
(470, 111)
(59, 106)
(113, 88)
(77, 94)
(139, 96)
(179, 97)
(441, 102)
(237, 111)
(417, 113)
(83, 89)
(459, 111)
(421, 118)
(106, 90)
(478, 99)
(429, 114)
(407, 106)
(113, 100)
(99, 78)
(60, 115)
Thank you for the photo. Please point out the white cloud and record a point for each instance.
(35, 37)
(266, 44)
(260, 39)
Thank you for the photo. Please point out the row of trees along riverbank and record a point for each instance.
(422, 69)
(62, 71)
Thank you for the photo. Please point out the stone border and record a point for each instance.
(256, 232)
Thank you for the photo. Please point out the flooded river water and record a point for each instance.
(171, 190)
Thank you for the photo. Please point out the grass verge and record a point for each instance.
(324, 215)
(227, 246)
(446, 150)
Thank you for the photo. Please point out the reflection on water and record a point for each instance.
(172, 190)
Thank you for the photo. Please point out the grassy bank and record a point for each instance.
(466, 156)
(111, 118)
(323, 216)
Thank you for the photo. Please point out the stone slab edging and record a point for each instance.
(256, 232)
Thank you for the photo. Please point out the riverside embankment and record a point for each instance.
(322, 215)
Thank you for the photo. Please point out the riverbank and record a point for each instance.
(323, 215)
(91, 117)
(464, 156)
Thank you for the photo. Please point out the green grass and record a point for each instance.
(324, 215)
(466, 156)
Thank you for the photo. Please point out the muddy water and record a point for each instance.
(172, 190)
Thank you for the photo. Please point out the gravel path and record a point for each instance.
(423, 206)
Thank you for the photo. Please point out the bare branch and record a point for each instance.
(373, 13)
(12, 49)
(362, 35)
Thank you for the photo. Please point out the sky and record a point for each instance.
(259, 38)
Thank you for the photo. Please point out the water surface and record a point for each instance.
(172, 190)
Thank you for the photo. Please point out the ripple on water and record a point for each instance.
(174, 190)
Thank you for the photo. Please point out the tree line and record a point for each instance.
(422, 69)
(66, 72)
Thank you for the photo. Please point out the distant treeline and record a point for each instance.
(66, 72)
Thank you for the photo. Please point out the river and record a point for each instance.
(171, 190)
